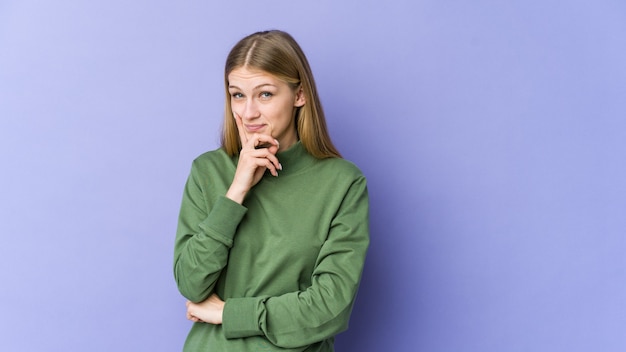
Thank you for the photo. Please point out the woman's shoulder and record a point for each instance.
(341, 167)
(212, 158)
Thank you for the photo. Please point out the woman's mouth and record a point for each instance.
(254, 128)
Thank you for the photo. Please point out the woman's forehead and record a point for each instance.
(249, 75)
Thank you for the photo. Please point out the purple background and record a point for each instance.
(493, 136)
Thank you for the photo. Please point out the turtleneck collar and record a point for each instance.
(294, 159)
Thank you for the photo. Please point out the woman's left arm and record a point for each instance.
(323, 310)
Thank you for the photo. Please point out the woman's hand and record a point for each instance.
(258, 154)
(208, 311)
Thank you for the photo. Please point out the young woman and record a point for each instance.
(273, 227)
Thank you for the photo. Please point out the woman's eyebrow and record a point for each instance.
(255, 88)
(263, 85)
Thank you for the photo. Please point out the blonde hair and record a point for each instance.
(277, 53)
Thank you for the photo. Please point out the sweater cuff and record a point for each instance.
(241, 317)
(222, 221)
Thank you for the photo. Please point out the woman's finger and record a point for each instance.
(265, 141)
(264, 157)
(242, 135)
(260, 141)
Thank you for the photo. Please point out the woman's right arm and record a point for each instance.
(203, 239)
(205, 233)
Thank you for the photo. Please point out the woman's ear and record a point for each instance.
(300, 97)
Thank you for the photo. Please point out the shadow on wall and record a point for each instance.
(370, 324)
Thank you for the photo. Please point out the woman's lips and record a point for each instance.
(255, 128)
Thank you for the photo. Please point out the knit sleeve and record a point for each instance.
(322, 310)
(203, 239)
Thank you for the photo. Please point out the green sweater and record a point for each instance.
(287, 262)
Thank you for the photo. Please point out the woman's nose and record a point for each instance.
(250, 110)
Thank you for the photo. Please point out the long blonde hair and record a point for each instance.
(277, 53)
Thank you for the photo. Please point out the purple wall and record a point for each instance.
(493, 136)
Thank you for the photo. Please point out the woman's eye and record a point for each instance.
(237, 95)
(266, 95)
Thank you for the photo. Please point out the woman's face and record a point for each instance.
(265, 104)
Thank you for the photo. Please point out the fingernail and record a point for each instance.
(280, 166)
(278, 144)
